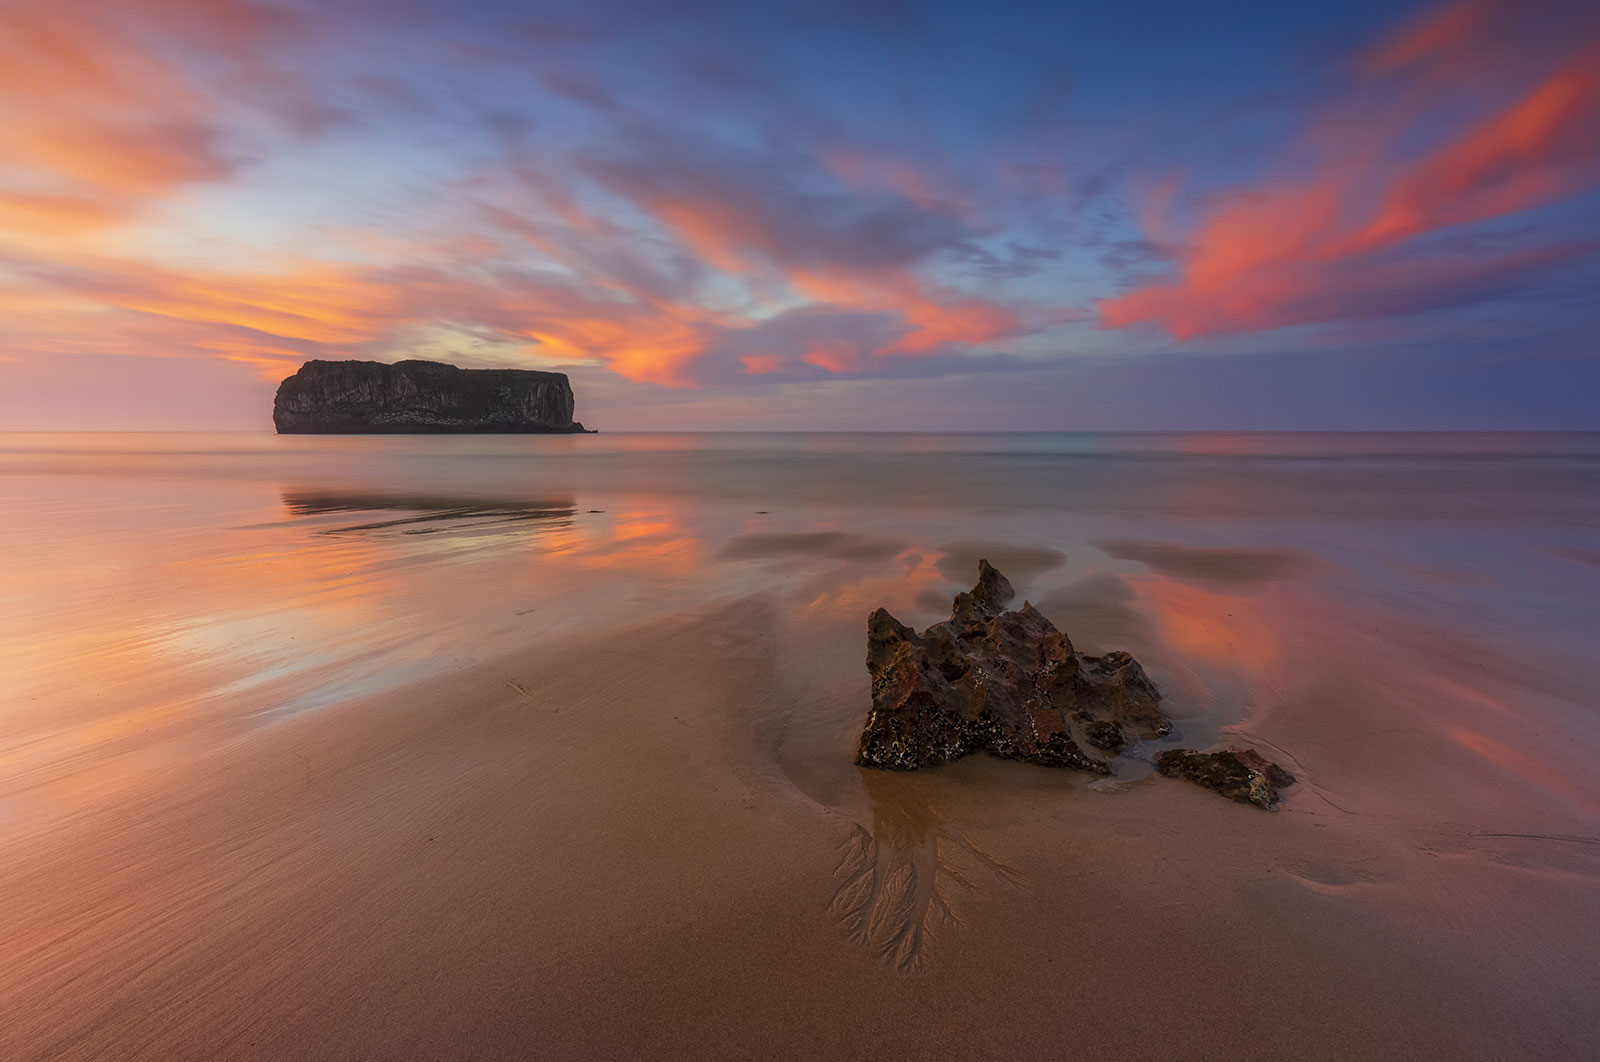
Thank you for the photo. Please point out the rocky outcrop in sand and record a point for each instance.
(422, 397)
(1242, 774)
(1006, 683)
(1009, 684)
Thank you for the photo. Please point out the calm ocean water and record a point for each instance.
(185, 585)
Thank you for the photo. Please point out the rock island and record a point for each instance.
(421, 397)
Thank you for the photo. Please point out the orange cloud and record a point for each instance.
(1436, 32)
(99, 118)
(654, 344)
(933, 317)
(1543, 147)
(757, 364)
(25, 214)
(303, 309)
(1293, 251)
(313, 302)
(834, 359)
(867, 170)
(111, 111)
(952, 320)
(855, 254)
(89, 125)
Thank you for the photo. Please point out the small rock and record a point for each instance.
(1105, 734)
(1252, 759)
(1242, 774)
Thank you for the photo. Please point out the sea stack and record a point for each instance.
(421, 397)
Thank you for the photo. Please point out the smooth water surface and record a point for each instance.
(154, 581)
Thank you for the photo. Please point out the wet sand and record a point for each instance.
(620, 847)
(637, 832)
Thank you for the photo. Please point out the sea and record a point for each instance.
(147, 580)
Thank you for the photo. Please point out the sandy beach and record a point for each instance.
(639, 833)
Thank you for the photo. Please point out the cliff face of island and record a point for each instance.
(421, 397)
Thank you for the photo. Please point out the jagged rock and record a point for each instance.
(370, 397)
(1104, 734)
(1006, 683)
(1243, 774)
(1010, 684)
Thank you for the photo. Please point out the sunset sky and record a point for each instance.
(818, 214)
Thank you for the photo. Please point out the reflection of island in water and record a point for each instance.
(427, 514)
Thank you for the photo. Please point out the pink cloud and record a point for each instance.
(1299, 250)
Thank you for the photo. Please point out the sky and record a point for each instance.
(824, 214)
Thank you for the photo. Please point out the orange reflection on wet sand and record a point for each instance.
(1232, 632)
(187, 618)
(1541, 774)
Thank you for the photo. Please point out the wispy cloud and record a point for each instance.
(722, 198)
(1477, 139)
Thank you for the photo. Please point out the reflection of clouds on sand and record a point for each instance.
(819, 545)
(1020, 563)
(954, 562)
(1099, 613)
(1217, 631)
(638, 542)
(1235, 569)
(1104, 612)
(826, 574)
(1434, 575)
(1590, 557)
(900, 875)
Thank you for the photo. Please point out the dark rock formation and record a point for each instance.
(1006, 683)
(1243, 774)
(369, 397)
(1010, 684)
